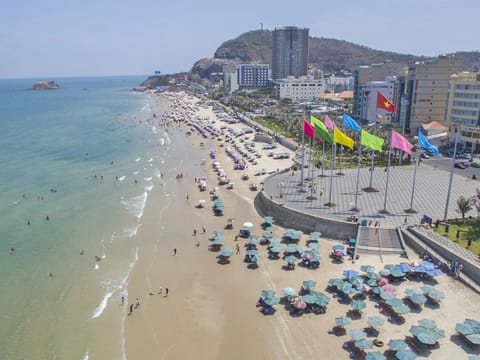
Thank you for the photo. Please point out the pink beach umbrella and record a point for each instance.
(389, 287)
(382, 281)
(299, 304)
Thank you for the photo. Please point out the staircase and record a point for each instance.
(378, 241)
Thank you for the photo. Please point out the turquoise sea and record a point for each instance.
(89, 157)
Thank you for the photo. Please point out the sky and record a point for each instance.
(59, 38)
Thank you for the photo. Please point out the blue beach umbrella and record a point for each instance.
(268, 220)
(363, 344)
(276, 249)
(254, 258)
(315, 236)
(291, 248)
(289, 291)
(367, 268)
(387, 295)
(358, 304)
(350, 273)
(268, 293)
(290, 259)
(309, 299)
(254, 240)
(397, 344)
(226, 252)
(428, 265)
(342, 321)
(267, 235)
(357, 334)
(405, 354)
(272, 300)
(275, 241)
(412, 291)
(375, 355)
(308, 284)
(313, 245)
(252, 252)
(375, 321)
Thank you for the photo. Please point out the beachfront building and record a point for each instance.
(375, 72)
(289, 52)
(300, 89)
(336, 84)
(230, 78)
(367, 99)
(426, 91)
(464, 109)
(253, 76)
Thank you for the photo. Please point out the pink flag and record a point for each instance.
(329, 123)
(399, 142)
(308, 129)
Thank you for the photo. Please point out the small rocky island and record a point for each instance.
(45, 85)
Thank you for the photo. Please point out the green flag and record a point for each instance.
(371, 141)
(321, 130)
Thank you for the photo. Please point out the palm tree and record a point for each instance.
(465, 205)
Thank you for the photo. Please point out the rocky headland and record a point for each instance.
(45, 85)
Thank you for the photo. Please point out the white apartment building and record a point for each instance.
(299, 89)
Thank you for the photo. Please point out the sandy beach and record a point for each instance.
(210, 311)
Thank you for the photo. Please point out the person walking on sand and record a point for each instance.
(131, 309)
(137, 303)
(122, 301)
(194, 232)
(174, 251)
(204, 230)
(237, 249)
(166, 292)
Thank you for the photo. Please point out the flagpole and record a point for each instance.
(410, 210)
(370, 187)
(323, 158)
(303, 153)
(384, 211)
(332, 167)
(452, 169)
(355, 207)
(341, 161)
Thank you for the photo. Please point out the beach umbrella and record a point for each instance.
(389, 287)
(308, 284)
(346, 288)
(418, 299)
(313, 245)
(252, 252)
(355, 281)
(405, 354)
(473, 338)
(299, 304)
(254, 240)
(290, 259)
(375, 355)
(269, 228)
(434, 272)
(394, 302)
(387, 295)
(218, 241)
(321, 299)
(474, 357)
(291, 248)
(267, 235)
(384, 272)
(275, 241)
(217, 232)
(226, 252)
(433, 293)
(375, 321)
(309, 299)
(314, 236)
(397, 273)
(363, 344)
(289, 291)
(357, 334)
(248, 224)
(301, 248)
(372, 275)
(427, 336)
(276, 249)
(367, 268)
(401, 309)
(404, 267)
(358, 304)
(342, 321)
(254, 258)
(268, 220)
(271, 300)
(268, 293)
(382, 281)
(377, 290)
(350, 273)
(412, 291)
(428, 265)
(419, 269)
(338, 248)
(372, 282)
(338, 283)
(397, 345)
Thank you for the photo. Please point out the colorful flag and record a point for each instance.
(371, 141)
(399, 142)
(349, 122)
(321, 130)
(424, 143)
(308, 129)
(329, 123)
(342, 139)
(384, 103)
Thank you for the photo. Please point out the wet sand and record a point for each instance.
(210, 310)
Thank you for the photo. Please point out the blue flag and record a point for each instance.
(349, 122)
(424, 143)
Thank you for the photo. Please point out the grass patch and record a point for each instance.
(468, 229)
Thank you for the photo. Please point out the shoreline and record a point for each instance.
(210, 309)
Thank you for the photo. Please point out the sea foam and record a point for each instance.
(136, 204)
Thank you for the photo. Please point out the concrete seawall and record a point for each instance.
(291, 218)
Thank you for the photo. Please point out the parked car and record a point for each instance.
(425, 156)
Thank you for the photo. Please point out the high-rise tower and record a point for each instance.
(289, 52)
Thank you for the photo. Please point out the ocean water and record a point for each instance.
(90, 158)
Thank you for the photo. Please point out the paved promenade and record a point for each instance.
(429, 199)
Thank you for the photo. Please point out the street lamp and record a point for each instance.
(452, 169)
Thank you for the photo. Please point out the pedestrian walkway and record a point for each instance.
(429, 198)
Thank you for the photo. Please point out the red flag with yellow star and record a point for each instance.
(384, 103)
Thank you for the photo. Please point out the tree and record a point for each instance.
(465, 205)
